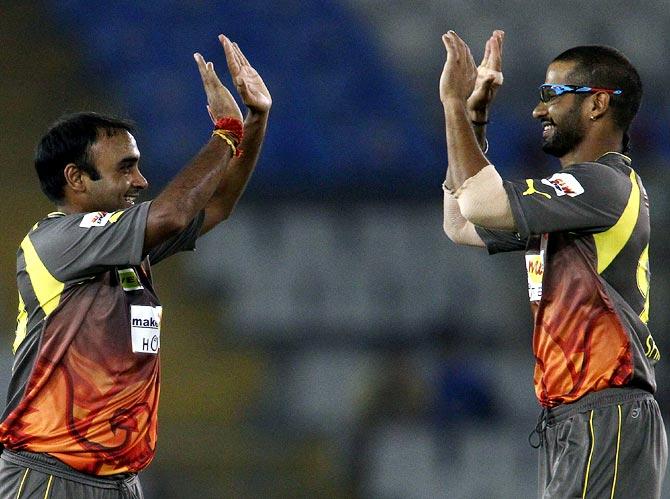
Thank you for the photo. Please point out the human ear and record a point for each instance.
(74, 177)
(600, 102)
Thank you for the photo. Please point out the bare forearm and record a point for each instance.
(239, 170)
(464, 152)
(237, 174)
(187, 193)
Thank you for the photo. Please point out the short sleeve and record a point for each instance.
(82, 244)
(586, 198)
(499, 241)
(184, 241)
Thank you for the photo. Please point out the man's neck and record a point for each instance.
(68, 209)
(591, 150)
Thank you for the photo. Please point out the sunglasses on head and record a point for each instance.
(550, 90)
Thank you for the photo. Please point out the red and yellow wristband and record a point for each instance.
(231, 130)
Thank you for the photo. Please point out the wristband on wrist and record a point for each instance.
(230, 140)
(231, 125)
(230, 130)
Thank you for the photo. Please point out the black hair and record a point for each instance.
(606, 67)
(69, 140)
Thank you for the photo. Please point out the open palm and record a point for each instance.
(489, 74)
(248, 82)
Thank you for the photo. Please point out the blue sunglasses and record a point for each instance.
(550, 90)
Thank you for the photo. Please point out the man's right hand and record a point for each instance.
(489, 78)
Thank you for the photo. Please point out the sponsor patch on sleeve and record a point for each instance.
(564, 184)
(95, 219)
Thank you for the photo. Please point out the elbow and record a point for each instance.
(167, 223)
(449, 231)
(473, 213)
(482, 201)
(496, 214)
(453, 233)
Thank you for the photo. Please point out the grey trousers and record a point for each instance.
(609, 444)
(25, 475)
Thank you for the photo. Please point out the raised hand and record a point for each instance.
(489, 78)
(220, 102)
(248, 82)
(459, 72)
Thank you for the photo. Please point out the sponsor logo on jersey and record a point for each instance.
(531, 189)
(535, 269)
(129, 279)
(564, 184)
(145, 328)
(150, 322)
(100, 218)
(95, 219)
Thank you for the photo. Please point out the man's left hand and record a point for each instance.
(248, 82)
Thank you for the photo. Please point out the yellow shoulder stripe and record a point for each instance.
(115, 216)
(612, 241)
(642, 278)
(47, 288)
(21, 325)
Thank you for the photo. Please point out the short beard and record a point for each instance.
(567, 136)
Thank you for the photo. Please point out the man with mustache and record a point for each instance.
(81, 415)
(585, 234)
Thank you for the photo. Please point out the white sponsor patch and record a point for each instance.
(564, 184)
(95, 219)
(145, 328)
(535, 269)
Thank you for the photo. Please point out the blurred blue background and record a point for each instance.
(328, 340)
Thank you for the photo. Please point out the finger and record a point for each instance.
(501, 40)
(240, 54)
(448, 41)
(209, 78)
(487, 52)
(461, 47)
(239, 59)
(211, 114)
(234, 66)
(232, 49)
(200, 61)
(495, 62)
(231, 59)
(213, 77)
(469, 58)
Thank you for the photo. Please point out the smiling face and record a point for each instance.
(116, 159)
(563, 122)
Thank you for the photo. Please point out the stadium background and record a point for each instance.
(328, 340)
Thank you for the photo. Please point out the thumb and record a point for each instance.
(446, 42)
(211, 115)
